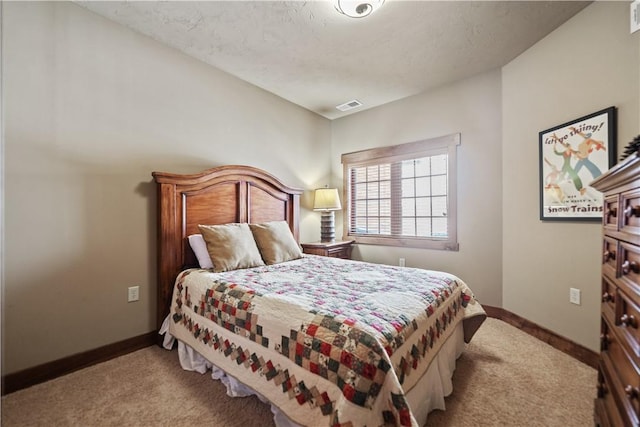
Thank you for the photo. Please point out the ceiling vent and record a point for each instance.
(349, 105)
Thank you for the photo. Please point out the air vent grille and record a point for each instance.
(635, 16)
(349, 105)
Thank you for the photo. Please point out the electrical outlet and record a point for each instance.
(133, 294)
(574, 296)
(635, 16)
(401, 262)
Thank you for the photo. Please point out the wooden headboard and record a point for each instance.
(219, 195)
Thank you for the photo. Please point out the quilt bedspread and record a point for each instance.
(330, 342)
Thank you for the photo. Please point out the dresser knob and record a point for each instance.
(605, 340)
(628, 266)
(608, 256)
(632, 211)
(602, 389)
(629, 320)
(632, 392)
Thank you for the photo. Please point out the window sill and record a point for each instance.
(407, 242)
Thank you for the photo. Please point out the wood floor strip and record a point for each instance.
(559, 342)
(48, 371)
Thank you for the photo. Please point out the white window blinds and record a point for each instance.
(403, 195)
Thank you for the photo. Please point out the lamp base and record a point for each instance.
(327, 227)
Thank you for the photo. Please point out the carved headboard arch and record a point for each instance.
(221, 195)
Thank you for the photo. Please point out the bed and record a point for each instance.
(325, 341)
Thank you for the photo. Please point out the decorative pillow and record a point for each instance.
(199, 246)
(231, 246)
(275, 241)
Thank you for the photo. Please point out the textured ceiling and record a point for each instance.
(309, 54)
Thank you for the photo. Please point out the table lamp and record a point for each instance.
(327, 201)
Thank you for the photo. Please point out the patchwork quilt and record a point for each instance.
(330, 342)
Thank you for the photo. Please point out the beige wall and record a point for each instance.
(589, 63)
(91, 110)
(471, 108)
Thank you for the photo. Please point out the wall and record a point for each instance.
(589, 63)
(91, 109)
(473, 108)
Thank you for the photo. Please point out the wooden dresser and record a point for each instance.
(336, 249)
(618, 398)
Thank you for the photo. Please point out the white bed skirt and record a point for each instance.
(428, 394)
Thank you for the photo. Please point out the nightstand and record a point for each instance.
(336, 249)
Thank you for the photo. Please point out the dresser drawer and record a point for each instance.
(609, 257)
(629, 270)
(618, 391)
(606, 411)
(339, 253)
(630, 214)
(627, 320)
(624, 383)
(610, 215)
(624, 380)
(609, 292)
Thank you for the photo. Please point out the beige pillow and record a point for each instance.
(231, 246)
(275, 241)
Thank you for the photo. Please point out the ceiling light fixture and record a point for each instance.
(357, 8)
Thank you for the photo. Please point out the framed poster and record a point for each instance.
(571, 156)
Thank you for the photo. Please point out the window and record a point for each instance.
(404, 195)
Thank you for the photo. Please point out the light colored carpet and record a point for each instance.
(505, 378)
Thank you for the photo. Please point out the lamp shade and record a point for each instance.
(326, 199)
